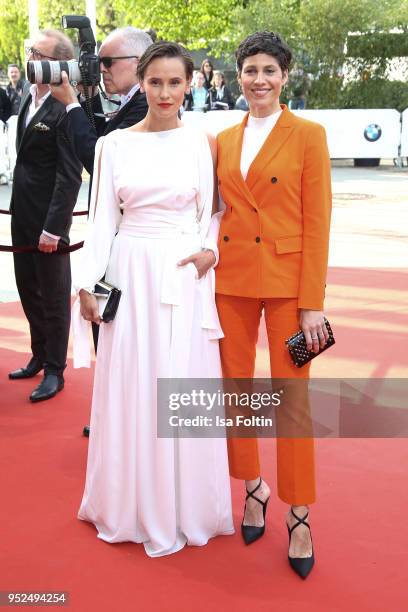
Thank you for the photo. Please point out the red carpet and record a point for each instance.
(359, 525)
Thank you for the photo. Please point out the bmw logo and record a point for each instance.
(372, 132)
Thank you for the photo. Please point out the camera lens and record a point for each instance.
(46, 72)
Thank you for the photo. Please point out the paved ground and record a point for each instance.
(369, 226)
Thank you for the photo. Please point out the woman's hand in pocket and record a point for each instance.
(203, 261)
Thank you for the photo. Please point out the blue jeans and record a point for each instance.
(297, 104)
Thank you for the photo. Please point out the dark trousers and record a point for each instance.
(44, 285)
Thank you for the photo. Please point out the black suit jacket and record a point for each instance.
(47, 174)
(5, 105)
(85, 135)
(225, 99)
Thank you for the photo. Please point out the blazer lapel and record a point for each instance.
(24, 106)
(235, 160)
(273, 143)
(36, 118)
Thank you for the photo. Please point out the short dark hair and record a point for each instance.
(264, 42)
(163, 48)
(152, 33)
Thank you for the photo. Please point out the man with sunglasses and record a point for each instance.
(47, 178)
(118, 56)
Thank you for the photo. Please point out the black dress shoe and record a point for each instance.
(86, 430)
(301, 565)
(251, 533)
(50, 385)
(32, 368)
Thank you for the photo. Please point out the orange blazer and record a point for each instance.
(274, 235)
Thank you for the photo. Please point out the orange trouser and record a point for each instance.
(240, 318)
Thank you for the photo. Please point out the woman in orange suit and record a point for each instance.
(274, 177)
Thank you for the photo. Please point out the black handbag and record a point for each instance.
(108, 298)
(297, 347)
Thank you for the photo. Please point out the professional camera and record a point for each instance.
(85, 70)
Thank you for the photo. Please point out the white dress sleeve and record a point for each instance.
(103, 222)
(104, 217)
(209, 224)
(209, 229)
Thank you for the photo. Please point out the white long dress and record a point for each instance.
(141, 488)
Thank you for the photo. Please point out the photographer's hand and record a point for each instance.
(64, 93)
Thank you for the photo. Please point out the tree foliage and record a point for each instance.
(317, 30)
(13, 31)
(194, 23)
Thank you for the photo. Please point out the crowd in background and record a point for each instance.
(209, 91)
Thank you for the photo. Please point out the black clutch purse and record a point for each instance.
(108, 298)
(297, 347)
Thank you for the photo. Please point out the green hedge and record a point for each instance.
(375, 93)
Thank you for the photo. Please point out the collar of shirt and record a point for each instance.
(34, 92)
(33, 109)
(125, 99)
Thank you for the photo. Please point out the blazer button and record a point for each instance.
(274, 179)
(257, 239)
(226, 238)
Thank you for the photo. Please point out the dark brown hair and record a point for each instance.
(165, 49)
(207, 61)
(264, 42)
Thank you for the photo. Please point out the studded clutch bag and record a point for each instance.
(297, 347)
(108, 298)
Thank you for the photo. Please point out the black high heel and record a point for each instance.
(251, 533)
(301, 565)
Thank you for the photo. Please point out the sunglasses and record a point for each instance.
(37, 54)
(108, 61)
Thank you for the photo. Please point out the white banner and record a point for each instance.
(355, 133)
(359, 133)
(213, 121)
(3, 153)
(404, 134)
(12, 134)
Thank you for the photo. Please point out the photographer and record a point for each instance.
(118, 56)
(47, 178)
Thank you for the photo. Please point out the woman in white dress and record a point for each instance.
(162, 492)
